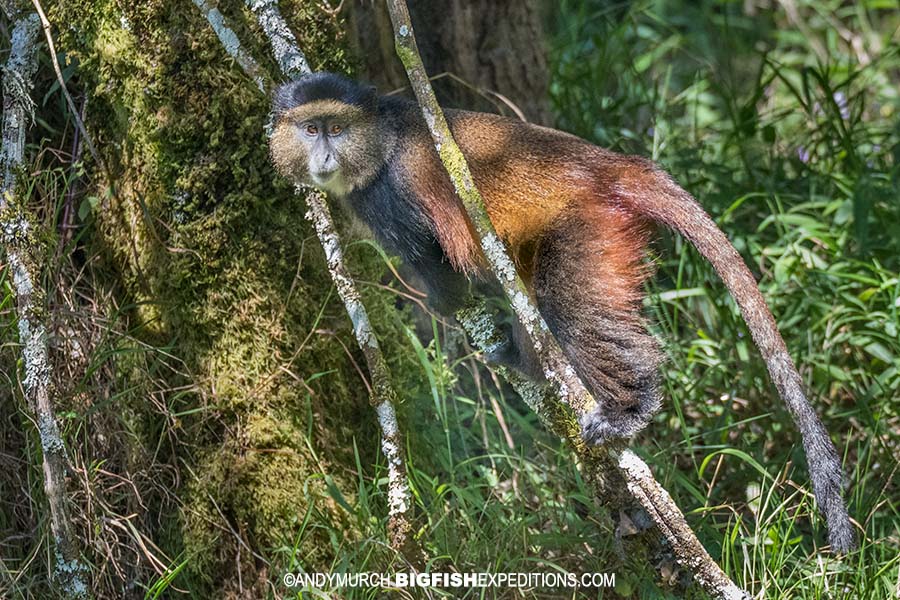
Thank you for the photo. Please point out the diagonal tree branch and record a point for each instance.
(555, 366)
(293, 63)
(288, 55)
(231, 43)
(384, 397)
(565, 386)
(23, 250)
(76, 114)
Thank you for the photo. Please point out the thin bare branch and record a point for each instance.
(76, 115)
(23, 250)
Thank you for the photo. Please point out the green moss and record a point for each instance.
(214, 251)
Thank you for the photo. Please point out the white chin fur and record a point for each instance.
(335, 185)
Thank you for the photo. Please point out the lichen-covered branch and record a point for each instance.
(23, 250)
(288, 55)
(668, 518)
(384, 397)
(293, 63)
(556, 368)
(567, 394)
(231, 43)
(18, 79)
(616, 473)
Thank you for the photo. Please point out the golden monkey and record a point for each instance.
(575, 218)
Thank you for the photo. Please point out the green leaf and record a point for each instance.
(86, 206)
(878, 350)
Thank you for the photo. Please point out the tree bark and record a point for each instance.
(496, 46)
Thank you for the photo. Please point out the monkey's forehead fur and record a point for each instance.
(329, 92)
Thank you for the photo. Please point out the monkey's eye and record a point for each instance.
(311, 129)
(335, 130)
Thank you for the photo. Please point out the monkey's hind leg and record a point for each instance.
(588, 282)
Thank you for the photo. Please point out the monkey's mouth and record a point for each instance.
(324, 177)
(332, 182)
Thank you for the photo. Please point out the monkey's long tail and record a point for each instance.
(679, 211)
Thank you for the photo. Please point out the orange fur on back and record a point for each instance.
(529, 178)
(525, 174)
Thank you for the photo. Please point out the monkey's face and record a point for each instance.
(327, 142)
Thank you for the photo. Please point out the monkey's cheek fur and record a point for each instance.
(288, 153)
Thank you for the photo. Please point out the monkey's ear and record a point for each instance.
(284, 98)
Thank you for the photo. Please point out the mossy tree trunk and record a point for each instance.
(237, 405)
